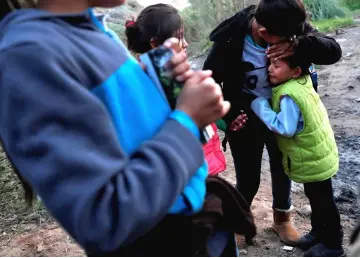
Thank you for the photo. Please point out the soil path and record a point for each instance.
(340, 91)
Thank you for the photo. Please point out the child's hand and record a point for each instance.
(202, 99)
(238, 123)
(179, 64)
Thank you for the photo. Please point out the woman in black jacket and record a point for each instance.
(239, 59)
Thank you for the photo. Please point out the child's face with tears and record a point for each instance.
(280, 71)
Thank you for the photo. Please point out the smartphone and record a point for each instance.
(155, 61)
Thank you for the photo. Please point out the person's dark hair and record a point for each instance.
(7, 6)
(160, 21)
(283, 18)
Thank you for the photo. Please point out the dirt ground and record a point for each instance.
(31, 232)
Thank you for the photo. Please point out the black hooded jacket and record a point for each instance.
(225, 58)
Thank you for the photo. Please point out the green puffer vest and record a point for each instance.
(311, 155)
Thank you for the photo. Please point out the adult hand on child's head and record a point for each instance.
(281, 50)
(202, 99)
(179, 64)
(238, 123)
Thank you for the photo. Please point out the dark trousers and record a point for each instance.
(325, 217)
(247, 146)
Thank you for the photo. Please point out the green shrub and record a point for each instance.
(118, 15)
(119, 29)
(331, 25)
(325, 9)
(202, 17)
(351, 4)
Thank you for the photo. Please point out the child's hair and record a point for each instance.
(283, 18)
(297, 60)
(158, 22)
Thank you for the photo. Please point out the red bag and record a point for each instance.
(214, 155)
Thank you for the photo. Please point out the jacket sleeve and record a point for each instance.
(60, 138)
(215, 62)
(285, 122)
(320, 49)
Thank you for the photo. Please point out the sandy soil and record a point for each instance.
(32, 233)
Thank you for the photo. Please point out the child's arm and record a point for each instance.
(285, 122)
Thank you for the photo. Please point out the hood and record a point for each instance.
(235, 25)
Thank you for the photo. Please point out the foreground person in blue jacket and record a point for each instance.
(88, 131)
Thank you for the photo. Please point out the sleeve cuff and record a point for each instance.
(186, 121)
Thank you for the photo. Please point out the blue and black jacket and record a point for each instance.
(86, 127)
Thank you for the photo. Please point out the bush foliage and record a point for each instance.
(351, 4)
(325, 9)
(202, 16)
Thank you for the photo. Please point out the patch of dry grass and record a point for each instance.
(15, 216)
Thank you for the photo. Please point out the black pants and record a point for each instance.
(325, 217)
(247, 146)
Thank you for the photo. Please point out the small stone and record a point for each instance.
(350, 87)
(288, 248)
(357, 100)
(40, 248)
(243, 252)
(358, 78)
(267, 247)
(341, 40)
(339, 31)
(306, 210)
